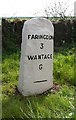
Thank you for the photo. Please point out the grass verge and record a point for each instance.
(57, 103)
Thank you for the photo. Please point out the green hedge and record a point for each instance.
(64, 33)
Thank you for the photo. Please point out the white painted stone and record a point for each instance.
(36, 75)
(75, 8)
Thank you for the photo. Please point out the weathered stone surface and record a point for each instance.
(36, 64)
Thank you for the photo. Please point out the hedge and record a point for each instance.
(64, 33)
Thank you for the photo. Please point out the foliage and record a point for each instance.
(64, 69)
(58, 105)
(11, 35)
(10, 67)
(58, 9)
(64, 33)
(53, 104)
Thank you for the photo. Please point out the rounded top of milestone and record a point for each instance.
(37, 23)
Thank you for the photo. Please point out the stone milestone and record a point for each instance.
(36, 63)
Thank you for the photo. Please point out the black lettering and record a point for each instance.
(36, 36)
(45, 37)
(30, 57)
(45, 57)
(40, 36)
(35, 57)
(29, 36)
(42, 56)
(50, 37)
(39, 56)
(32, 37)
(40, 67)
(42, 45)
(50, 56)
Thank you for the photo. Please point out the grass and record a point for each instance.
(52, 104)
(64, 69)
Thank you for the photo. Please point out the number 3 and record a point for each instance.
(42, 46)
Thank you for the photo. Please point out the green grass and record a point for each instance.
(52, 104)
(59, 105)
(10, 68)
(64, 69)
